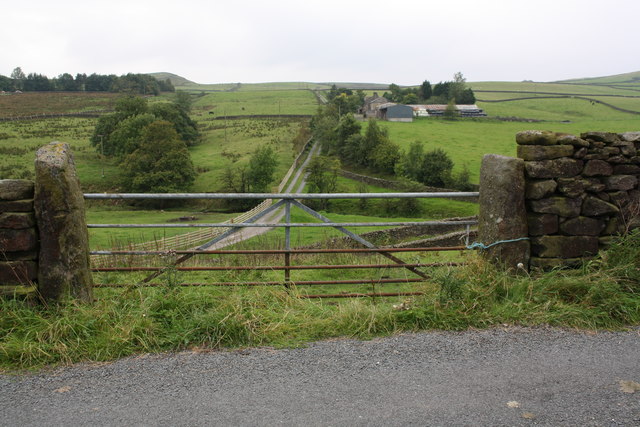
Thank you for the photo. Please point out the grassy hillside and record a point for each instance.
(559, 107)
(467, 141)
(176, 80)
(30, 103)
(562, 101)
(224, 143)
(231, 143)
(251, 87)
(633, 78)
(559, 88)
(218, 104)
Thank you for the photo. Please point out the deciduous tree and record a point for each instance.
(160, 164)
(425, 90)
(262, 167)
(410, 163)
(323, 176)
(436, 168)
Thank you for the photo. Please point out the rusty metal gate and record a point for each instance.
(274, 209)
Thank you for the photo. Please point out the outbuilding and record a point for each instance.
(395, 112)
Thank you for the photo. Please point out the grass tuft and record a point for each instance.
(603, 294)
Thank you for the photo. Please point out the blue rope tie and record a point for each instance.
(478, 245)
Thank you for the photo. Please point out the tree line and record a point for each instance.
(454, 91)
(142, 84)
(449, 92)
(343, 137)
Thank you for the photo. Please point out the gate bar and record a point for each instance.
(278, 283)
(281, 251)
(358, 295)
(287, 224)
(278, 267)
(357, 238)
(224, 235)
(278, 196)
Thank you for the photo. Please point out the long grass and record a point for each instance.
(604, 293)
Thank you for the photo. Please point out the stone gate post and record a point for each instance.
(503, 215)
(64, 263)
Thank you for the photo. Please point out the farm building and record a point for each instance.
(395, 112)
(471, 110)
(371, 105)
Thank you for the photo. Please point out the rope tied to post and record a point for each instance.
(482, 246)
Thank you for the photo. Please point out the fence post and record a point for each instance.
(503, 216)
(64, 264)
(287, 244)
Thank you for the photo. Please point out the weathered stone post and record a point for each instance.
(503, 213)
(64, 264)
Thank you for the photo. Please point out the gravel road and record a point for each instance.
(497, 377)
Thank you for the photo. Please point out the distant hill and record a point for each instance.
(633, 77)
(625, 79)
(176, 80)
(363, 86)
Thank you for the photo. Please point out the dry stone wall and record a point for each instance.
(43, 231)
(18, 233)
(579, 192)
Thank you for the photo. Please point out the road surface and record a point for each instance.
(497, 377)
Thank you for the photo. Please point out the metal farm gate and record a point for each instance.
(274, 212)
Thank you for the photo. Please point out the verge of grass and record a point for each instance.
(602, 294)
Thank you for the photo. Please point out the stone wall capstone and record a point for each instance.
(579, 191)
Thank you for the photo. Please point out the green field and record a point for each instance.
(467, 140)
(224, 142)
(632, 78)
(104, 238)
(135, 320)
(574, 107)
(229, 142)
(554, 88)
(251, 87)
(30, 103)
(259, 102)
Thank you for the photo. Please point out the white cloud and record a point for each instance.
(282, 40)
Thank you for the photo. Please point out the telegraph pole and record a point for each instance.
(102, 153)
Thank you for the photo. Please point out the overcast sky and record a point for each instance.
(376, 41)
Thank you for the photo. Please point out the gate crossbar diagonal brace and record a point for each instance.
(224, 235)
(308, 210)
(357, 238)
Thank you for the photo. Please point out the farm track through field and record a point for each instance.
(274, 217)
